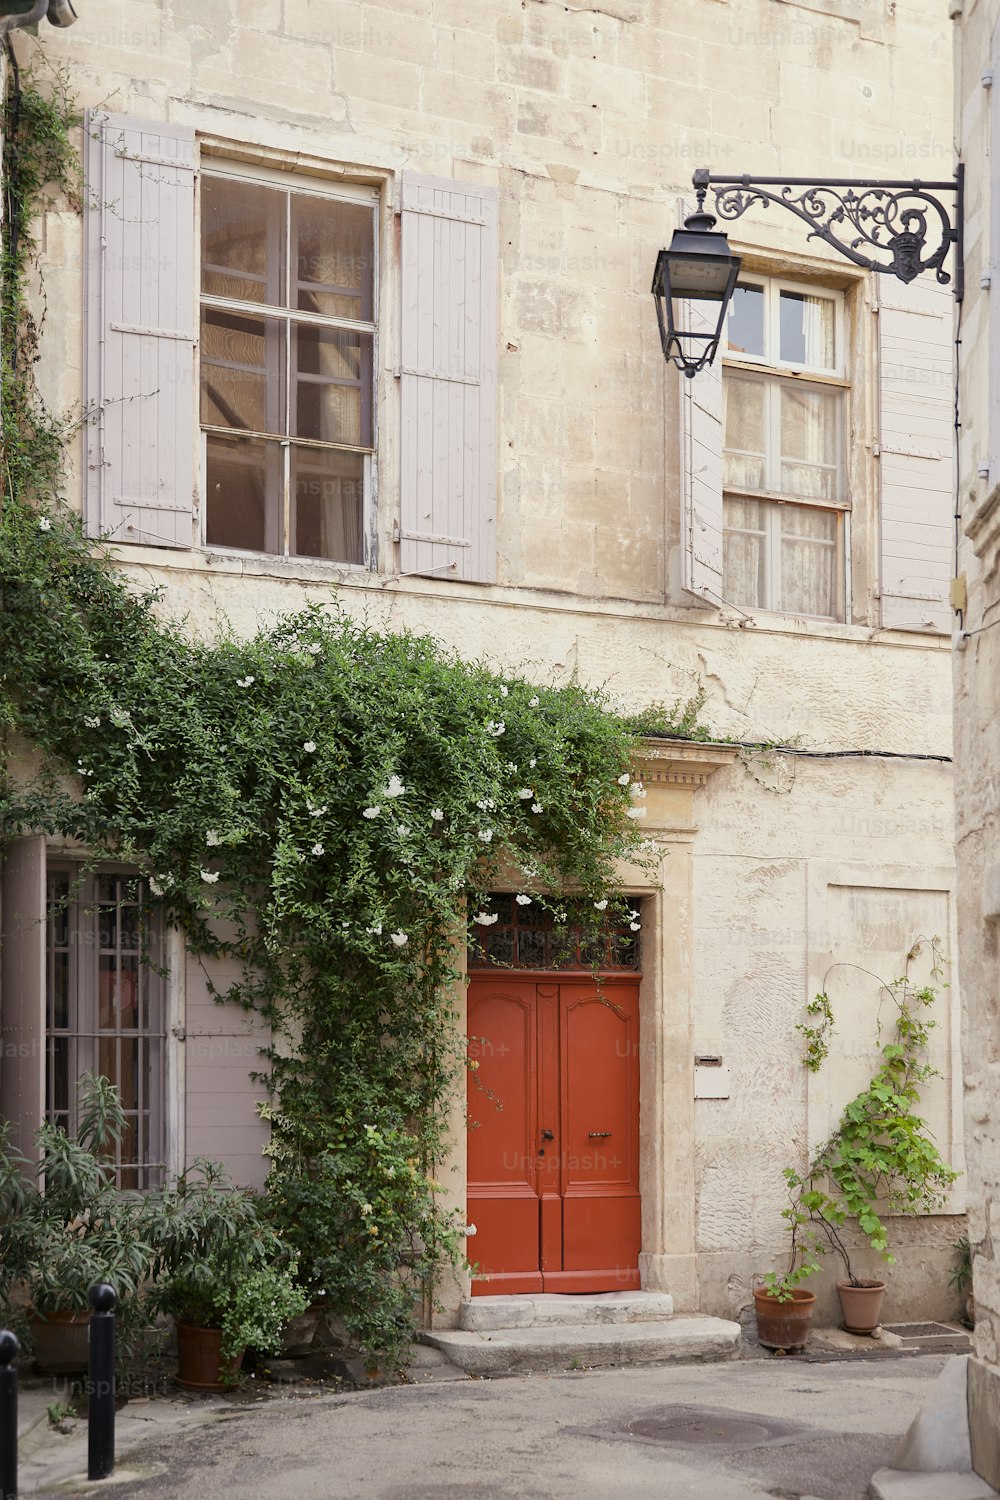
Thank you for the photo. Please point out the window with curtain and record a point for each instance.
(104, 1001)
(287, 366)
(785, 500)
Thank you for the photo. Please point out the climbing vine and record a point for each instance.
(323, 807)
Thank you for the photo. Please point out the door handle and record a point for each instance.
(598, 1135)
(548, 1135)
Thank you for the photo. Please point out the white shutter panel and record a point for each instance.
(701, 472)
(448, 375)
(140, 340)
(22, 990)
(916, 453)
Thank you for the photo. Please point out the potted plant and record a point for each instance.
(783, 1307)
(64, 1225)
(223, 1273)
(960, 1279)
(881, 1158)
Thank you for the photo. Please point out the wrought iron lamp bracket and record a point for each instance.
(899, 228)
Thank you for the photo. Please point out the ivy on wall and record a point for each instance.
(326, 804)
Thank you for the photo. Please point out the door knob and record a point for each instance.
(548, 1135)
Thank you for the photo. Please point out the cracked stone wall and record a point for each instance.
(590, 119)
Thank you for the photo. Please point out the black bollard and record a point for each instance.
(101, 1413)
(8, 1416)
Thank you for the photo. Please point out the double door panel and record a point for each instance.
(553, 1160)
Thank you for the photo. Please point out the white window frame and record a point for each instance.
(776, 372)
(83, 1033)
(316, 187)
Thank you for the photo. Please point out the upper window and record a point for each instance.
(287, 362)
(784, 471)
(105, 1011)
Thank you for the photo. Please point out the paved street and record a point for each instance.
(549, 1437)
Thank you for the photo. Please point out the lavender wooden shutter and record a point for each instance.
(140, 349)
(916, 454)
(22, 990)
(701, 473)
(448, 374)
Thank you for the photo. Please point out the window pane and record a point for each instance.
(243, 372)
(243, 241)
(744, 466)
(745, 326)
(333, 257)
(809, 561)
(810, 442)
(807, 330)
(333, 387)
(329, 499)
(744, 555)
(243, 490)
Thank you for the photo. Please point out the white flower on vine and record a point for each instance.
(371, 812)
(315, 648)
(309, 746)
(375, 928)
(437, 813)
(624, 779)
(486, 834)
(633, 916)
(316, 812)
(92, 721)
(469, 1230)
(504, 692)
(212, 838)
(400, 939)
(245, 681)
(45, 524)
(402, 829)
(637, 789)
(318, 849)
(495, 727)
(395, 787)
(536, 807)
(636, 812)
(486, 804)
(367, 1209)
(523, 900)
(512, 767)
(156, 889)
(602, 904)
(525, 793)
(533, 702)
(209, 876)
(634, 926)
(486, 919)
(533, 762)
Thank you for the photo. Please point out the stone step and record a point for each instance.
(553, 1309)
(521, 1351)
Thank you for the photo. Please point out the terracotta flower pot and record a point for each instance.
(62, 1341)
(200, 1366)
(861, 1306)
(784, 1325)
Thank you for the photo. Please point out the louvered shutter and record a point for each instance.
(22, 990)
(140, 341)
(701, 472)
(916, 453)
(448, 373)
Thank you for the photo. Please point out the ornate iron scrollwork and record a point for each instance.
(901, 228)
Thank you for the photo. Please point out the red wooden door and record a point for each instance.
(554, 1133)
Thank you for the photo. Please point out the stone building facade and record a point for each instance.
(507, 463)
(977, 59)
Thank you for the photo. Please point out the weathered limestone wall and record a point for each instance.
(590, 121)
(977, 710)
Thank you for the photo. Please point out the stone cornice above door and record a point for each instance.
(672, 771)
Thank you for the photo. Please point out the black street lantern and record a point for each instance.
(898, 229)
(699, 268)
